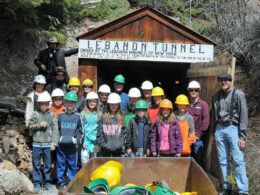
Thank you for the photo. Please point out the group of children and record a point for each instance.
(105, 124)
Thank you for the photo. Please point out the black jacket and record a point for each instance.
(132, 134)
(58, 59)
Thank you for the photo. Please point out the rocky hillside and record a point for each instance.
(16, 76)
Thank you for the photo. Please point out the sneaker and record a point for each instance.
(61, 187)
(48, 186)
(38, 189)
(226, 192)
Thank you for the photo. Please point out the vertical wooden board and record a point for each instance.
(168, 34)
(157, 32)
(138, 30)
(88, 69)
(148, 28)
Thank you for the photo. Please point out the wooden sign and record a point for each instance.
(145, 51)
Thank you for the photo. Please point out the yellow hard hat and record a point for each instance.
(116, 164)
(110, 173)
(129, 184)
(157, 91)
(74, 82)
(87, 82)
(182, 99)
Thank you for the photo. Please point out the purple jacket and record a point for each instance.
(200, 113)
(175, 137)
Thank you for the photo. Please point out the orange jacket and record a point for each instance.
(187, 139)
(57, 111)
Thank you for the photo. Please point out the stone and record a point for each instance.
(12, 181)
(7, 102)
(18, 111)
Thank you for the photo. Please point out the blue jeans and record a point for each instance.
(227, 138)
(197, 152)
(66, 158)
(37, 154)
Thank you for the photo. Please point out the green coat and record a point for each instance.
(41, 135)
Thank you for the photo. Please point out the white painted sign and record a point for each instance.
(145, 51)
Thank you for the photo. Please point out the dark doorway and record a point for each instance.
(170, 76)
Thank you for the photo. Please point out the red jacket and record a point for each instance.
(200, 114)
(152, 113)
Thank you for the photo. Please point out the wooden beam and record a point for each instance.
(207, 71)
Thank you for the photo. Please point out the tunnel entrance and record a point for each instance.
(170, 76)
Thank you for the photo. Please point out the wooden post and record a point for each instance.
(88, 70)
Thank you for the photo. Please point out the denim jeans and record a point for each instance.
(197, 152)
(37, 154)
(227, 138)
(66, 160)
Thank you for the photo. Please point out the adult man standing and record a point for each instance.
(230, 121)
(199, 110)
(51, 57)
(59, 81)
(119, 82)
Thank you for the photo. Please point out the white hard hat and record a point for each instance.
(113, 98)
(91, 95)
(147, 85)
(57, 92)
(104, 89)
(194, 85)
(44, 97)
(40, 79)
(134, 92)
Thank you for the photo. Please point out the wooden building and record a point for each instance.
(149, 25)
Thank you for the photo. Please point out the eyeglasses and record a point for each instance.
(60, 74)
(87, 86)
(225, 80)
(196, 90)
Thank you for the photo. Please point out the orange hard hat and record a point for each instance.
(166, 104)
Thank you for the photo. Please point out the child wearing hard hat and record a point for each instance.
(119, 82)
(103, 92)
(57, 101)
(147, 88)
(90, 116)
(87, 86)
(70, 126)
(31, 104)
(134, 95)
(44, 125)
(186, 124)
(157, 97)
(74, 85)
(112, 131)
(139, 132)
(166, 138)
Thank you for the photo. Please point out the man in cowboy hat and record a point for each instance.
(51, 57)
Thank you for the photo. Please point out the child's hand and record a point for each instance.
(129, 151)
(43, 124)
(97, 148)
(178, 155)
(148, 152)
(53, 148)
(84, 147)
(154, 154)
